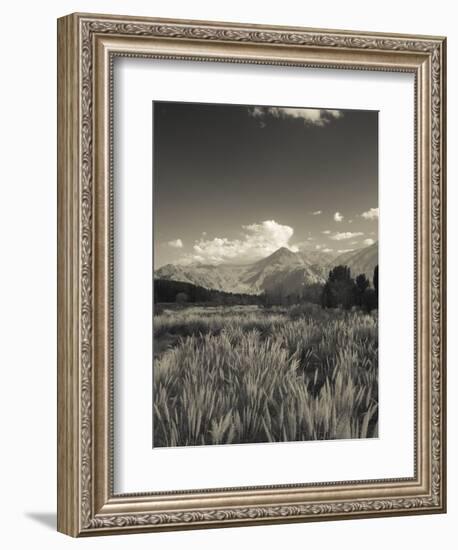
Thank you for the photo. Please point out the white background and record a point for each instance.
(136, 83)
(28, 274)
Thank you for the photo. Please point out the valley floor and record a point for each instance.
(248, 374)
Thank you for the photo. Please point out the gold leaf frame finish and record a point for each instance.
(87, 45)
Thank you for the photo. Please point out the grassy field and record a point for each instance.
(245, 374)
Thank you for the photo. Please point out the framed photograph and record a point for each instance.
(229, 351)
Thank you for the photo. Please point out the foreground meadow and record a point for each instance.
(246, 374)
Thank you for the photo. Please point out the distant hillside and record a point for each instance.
(253, 278)
(280, 268)
(290, 271)
(227, 278)
(359, 261)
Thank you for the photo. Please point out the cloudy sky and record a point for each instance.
(234, 183)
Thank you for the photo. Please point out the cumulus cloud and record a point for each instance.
(368, 242)
(313, 117)
(176, 243)
(338, 217)
(317, 212)
(257, 241)
(327, 250)
(345, 235)
(371, 214)
(343, 250)
(326, 232)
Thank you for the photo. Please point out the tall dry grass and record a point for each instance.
(265, 376)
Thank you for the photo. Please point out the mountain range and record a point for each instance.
(284, 268)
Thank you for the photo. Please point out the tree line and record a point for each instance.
(339, 291)
(167, 291)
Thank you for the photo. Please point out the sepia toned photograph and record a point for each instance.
(266, 274)
(219, 193)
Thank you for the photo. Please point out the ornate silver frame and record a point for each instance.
(87, 44)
